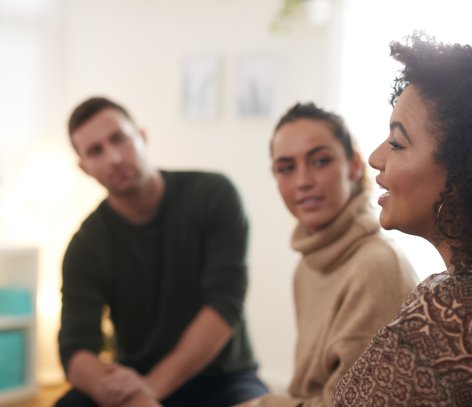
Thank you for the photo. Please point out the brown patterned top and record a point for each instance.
(421, 358)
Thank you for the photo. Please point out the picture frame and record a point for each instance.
(258, 78)
(201, 87)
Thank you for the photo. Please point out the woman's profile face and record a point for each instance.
(408, 171)
(314, 176)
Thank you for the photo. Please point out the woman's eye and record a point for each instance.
(284, 169)
(395, 145)
(321, 162)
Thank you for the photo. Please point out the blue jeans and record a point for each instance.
(205, 390)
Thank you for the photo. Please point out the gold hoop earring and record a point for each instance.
(439, 211)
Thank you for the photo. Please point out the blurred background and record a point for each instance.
(207, 80)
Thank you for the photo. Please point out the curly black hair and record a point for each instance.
(442, 74)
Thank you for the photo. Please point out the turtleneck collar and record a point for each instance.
(329, 246)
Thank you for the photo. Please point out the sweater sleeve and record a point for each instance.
(82, 302)
(225, 278)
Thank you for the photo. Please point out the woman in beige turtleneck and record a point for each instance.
(350, 280)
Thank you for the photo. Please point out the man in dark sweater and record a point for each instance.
(166, 253)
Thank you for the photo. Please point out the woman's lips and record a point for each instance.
(310, 202)
(386, 195)
(384, 198)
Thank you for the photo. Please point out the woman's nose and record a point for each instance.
(304, 178)
(376, 158)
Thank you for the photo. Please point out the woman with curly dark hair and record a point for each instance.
(424, 356)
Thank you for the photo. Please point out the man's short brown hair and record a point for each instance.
(89, 108)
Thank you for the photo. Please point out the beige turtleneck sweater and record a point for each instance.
(349, 283)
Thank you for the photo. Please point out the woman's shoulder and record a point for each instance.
(443, 288)
(442, 303)
(450, 295)
(378, 254)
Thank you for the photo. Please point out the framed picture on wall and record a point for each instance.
(258, 80)
(201, 87)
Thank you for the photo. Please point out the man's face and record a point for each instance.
(112, 150)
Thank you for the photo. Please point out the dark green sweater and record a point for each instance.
(156, 277)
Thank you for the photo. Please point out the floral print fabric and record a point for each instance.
(423, 357)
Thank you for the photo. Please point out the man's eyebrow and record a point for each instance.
(115, 133)
(399, 126)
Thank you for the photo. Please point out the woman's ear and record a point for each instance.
(357, 168)
(144, 135)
